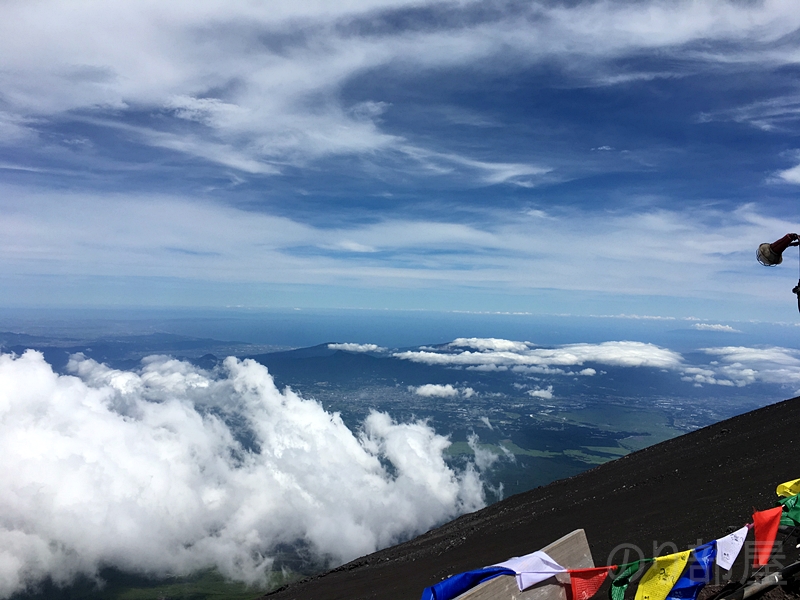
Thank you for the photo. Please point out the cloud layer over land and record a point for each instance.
(523, 356)
(727, 366)
(171, 469)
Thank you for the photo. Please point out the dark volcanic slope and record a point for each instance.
(694, 486)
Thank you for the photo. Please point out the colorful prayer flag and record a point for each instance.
(766, 524)
(791, 511)
(661, 576)
(728, 547)
(532, 568)
(697, 575)
(458, 584)
(586, 582)
(621, 581)
(789, 488)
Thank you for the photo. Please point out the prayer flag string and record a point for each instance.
(668, 577)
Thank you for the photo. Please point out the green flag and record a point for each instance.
(791, 510)
(621, 581)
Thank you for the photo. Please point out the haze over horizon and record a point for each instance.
(589, 157)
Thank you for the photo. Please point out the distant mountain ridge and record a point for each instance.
(694, 487)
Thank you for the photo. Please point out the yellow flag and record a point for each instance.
(790, 488)
(657, 583)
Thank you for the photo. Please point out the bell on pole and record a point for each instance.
(771, 255)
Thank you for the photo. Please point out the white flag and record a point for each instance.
(728, 548)
(532, 568)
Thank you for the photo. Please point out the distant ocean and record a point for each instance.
(294, 328)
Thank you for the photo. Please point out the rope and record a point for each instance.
(796, 289)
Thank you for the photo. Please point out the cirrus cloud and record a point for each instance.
(264, 83)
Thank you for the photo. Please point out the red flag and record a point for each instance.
(765, 524)
(586, 582)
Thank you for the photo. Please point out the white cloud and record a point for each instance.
(700, 253)
(623, 354)
(350, 347)
(486, 368)
(15, 129)
(484, 458)
(350, 246)
(768, 115)
(546, 393)
(790, 175)
(139, 470)
(489, 344)
(734, 365)
(715, 327)
(435, 390)
(742, 365)
(265, 81)
(701, 375)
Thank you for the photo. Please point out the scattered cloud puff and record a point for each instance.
(142, 470)
(500, 354)
(483, 344)
(350, 347)
(546, 393)
(701, 375)
(715, 327)
(734, 365)
(434, 390)
(740, 366)
(489, 368)
(790, 175)
(484, 458)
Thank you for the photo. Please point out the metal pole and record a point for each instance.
(764, 584)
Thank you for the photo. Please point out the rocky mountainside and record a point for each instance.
(690, 489)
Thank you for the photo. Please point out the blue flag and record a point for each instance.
(697, 574)
(458, 584)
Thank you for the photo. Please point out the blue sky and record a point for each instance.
(546, 157)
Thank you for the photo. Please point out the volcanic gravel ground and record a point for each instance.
(688, 490)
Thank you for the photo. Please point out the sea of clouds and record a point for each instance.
(169, 469)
